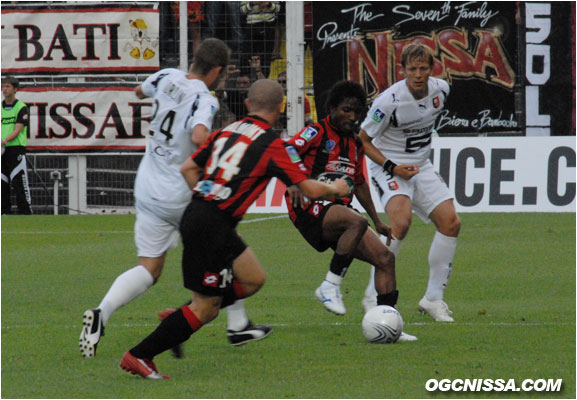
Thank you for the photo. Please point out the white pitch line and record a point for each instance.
(248, 221)
(221, 324)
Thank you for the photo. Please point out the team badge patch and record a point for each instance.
(309, 133)
(300, 142)
(210, 279)
(378, 115)
(330, 144)
(393, 185)
(293, 154)
(212, 110)
(436, 102)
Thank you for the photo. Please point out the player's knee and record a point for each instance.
(452, 226)
(386, 261)
(360, 225)
(400, 229)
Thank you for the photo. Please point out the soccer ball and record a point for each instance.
(382, 324)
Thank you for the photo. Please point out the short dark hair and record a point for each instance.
(344, 90)
(416, 51)
(212, 53)
(11, 80)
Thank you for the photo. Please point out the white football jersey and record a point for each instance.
(179, 105)
(401, 127)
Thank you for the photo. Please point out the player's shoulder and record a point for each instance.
(391, 95)
(440, 84)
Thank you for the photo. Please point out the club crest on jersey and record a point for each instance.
(300, 142)
(309, 133)
(378, 116)
(436, 102)
(293, 154)
(329, 145)
(393, 185)
(210, 279)
(212, 110)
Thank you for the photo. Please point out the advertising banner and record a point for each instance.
(86, 119)
(475, 48)
(495, 174)
(79, 39)
(549, 65)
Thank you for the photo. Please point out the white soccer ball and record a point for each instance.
(382, 324)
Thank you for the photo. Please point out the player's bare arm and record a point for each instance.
(316, 190)
(191, 172)
(405, 171)
(199, 134)
(139, 93)
(363, 194)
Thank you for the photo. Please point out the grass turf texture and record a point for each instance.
(512, 293)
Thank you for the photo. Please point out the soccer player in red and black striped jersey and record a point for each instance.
(226, 176)
(330, 149)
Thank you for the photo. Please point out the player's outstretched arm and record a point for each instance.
(316, 190)
(191, 172)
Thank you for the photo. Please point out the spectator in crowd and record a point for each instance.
(281, 126)
(195, 16)
(236, 94)
(182, 122)
(330, 149)
(262, 33)
(223, 21)
(226, 175)
(15, 121)
(396, 134)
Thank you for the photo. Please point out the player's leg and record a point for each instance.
(344, 227)
(433, 201)
(373, 250)
(399, 213)
(155, 232)
(175, 329)
(441, 255)
(19, 178)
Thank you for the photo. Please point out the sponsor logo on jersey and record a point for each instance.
(309, 133)
(436, 102)
(393, 185)
(293, 154)
(378, 116)
(300, 142)
(210, 279)
(212, 110)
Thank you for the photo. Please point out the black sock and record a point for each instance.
(340, 264)
(172, 331)
(388, 299)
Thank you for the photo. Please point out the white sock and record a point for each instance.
(441, 257)
(395, 247)
(236, 316)
(334, 278)
(127, 286)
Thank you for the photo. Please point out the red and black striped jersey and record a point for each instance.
(239, 161)
(328, 154)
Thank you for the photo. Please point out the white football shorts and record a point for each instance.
(426, 189)
(156, 229)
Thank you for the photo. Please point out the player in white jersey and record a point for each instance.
(182, 118)
(397, 138)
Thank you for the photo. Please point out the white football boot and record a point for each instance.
(405, 337)
(92, 331)
(437, 309)
(330, 295)
(369, 302)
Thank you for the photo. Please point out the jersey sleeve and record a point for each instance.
(306, 138)
(286, 164)
(378, 117)
(23, 116)
(150, 85)
(202, 112)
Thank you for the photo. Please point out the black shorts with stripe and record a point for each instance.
(309, 222)
(211, 244)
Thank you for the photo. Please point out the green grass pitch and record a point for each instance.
(512, 292)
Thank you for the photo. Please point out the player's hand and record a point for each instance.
(298, 199)
(384, 229)
(406, 171)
